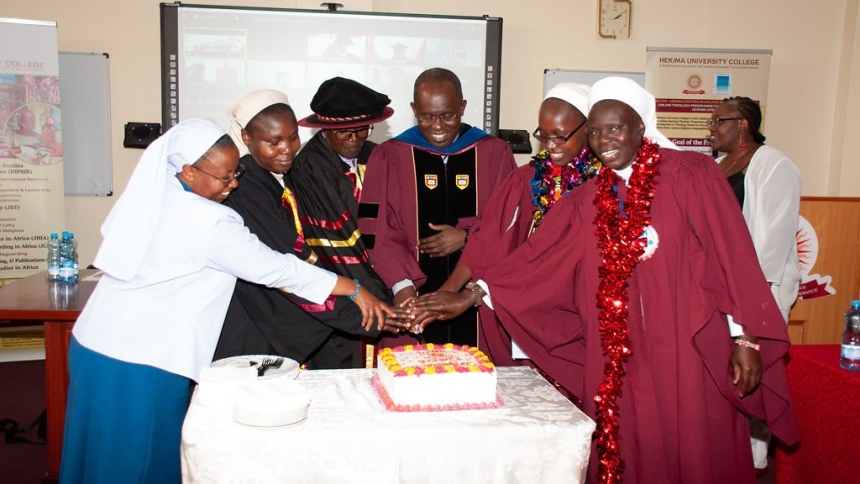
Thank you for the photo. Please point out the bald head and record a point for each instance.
(438, 106)
(438, 75)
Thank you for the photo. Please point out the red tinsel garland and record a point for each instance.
(621, 245)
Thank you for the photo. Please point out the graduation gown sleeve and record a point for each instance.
(387, 216)
(504, 223)
(328, 212)
(495, 162)
(533, 297)
(730, 281)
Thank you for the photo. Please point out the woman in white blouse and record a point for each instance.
(171, 255)
(767, 185)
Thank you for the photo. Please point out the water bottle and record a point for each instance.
(75, 265)
(851, 338)
(68, 260)
(54, 258)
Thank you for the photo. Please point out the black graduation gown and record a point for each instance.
(328, 212)
(261, 320)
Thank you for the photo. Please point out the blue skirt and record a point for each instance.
(123, 421)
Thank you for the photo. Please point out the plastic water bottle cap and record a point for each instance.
(855, 304)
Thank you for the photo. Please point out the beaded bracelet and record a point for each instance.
(357, 288)
(747, 344)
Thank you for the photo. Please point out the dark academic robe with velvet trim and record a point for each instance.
(328, 212)
(505, 224)
(680, 418)
(261, 320)
(408, 186)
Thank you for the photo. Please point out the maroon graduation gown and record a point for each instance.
(391, 213)
(504, 226)
(681, 420)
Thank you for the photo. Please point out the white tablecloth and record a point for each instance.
(537, 436)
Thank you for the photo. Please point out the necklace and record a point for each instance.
(551, 182)
(621, 245)
(728, 170)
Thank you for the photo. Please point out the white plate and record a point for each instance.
(289, 368)
(273, 403)
(274, 427)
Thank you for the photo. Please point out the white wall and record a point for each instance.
(813, 100)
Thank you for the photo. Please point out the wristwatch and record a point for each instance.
(477, 293)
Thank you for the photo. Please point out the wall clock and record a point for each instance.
(614, 19)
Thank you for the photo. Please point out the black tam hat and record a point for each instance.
(343, 103)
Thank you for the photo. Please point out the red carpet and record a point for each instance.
(22, 398)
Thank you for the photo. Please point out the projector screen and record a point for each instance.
(212, 56)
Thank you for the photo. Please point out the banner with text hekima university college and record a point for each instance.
(690, 83)
(31, 145)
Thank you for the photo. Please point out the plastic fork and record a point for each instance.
(269, 363)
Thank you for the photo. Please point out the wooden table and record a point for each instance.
(36, 300)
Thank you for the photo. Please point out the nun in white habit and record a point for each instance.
(632, 94)
(686, 385)
(151, 325)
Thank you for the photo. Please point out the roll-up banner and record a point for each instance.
(31, 145)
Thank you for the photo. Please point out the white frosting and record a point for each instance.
(444, 388)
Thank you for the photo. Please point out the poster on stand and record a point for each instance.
(31, 145)
(690, 83)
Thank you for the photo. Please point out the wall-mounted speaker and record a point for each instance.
(140, 135)
(517, 139)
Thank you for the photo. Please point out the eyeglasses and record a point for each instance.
(345, 134)
(240, 170)
(714, 123)
(430, 119)
(556, 140)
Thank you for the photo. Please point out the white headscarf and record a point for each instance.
(572, 93)
(243, 111)
(128, 229)
(632, 94)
